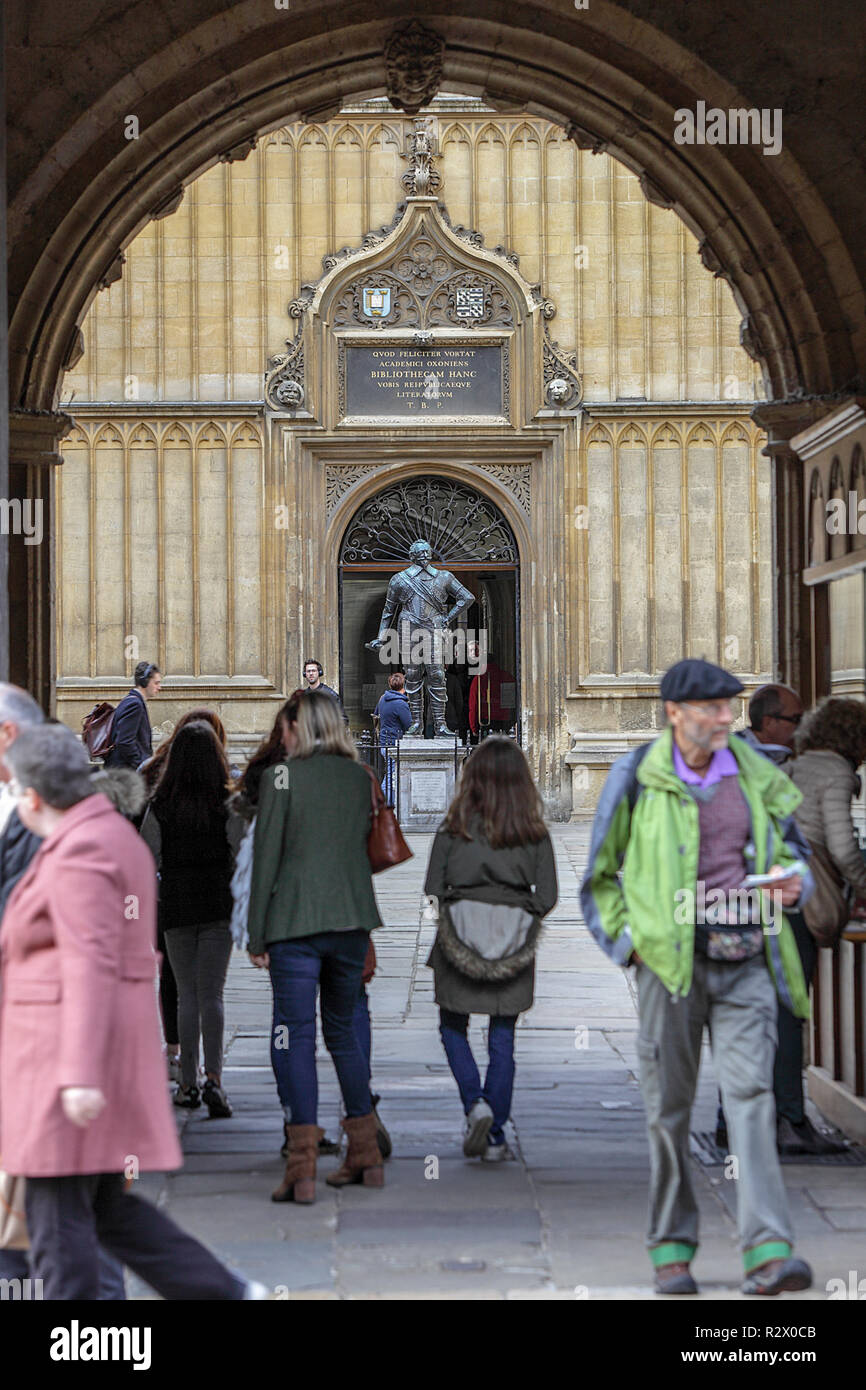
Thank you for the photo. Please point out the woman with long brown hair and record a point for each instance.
(189, 829)
(151, 771)
(493, 872)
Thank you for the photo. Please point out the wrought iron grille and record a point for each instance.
(459, 524)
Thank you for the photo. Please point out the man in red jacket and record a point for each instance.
(492, 700)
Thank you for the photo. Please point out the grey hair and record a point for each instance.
(51, 760)
(17, 707)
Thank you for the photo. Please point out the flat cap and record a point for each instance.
(698, 680)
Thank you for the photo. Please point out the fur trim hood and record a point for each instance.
(124, 788)
(473, 965)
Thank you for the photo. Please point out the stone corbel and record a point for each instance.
(169, 204)
(113, 273)
(34, 436)
(241, 151)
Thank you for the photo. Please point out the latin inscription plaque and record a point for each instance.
(419, 382)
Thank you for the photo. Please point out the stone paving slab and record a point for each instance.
(564, 1221)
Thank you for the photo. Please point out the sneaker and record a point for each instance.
(778, 1276)
(255, 1291)
(674, 1278)
(187, 1100)
(478, 1123)
(496, 1153)
(327, 1146)
(216, 1101)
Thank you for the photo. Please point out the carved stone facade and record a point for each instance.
(618, 452)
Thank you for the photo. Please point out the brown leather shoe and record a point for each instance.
(675, 1278)
(299, 1179)
(363, 1161)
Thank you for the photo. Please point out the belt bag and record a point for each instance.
(487, 941)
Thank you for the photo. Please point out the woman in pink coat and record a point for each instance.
(83, 1099)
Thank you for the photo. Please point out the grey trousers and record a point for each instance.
(737, 1002)
(200, 957)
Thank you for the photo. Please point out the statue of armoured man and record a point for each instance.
(422, 595)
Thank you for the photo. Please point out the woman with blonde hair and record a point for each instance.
(312, 908)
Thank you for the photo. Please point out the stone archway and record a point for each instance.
(83, 183)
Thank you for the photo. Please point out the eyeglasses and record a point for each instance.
(788, 718)
(712, 708)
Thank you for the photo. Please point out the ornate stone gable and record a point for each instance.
(426, 279)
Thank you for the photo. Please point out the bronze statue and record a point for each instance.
(421, 594)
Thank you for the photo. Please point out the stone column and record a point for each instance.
(34, 437)
(792, 617)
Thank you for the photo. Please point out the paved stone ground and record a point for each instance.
(565, 1220)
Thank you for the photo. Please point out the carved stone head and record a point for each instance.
(413, 58)
(558, 391)
(289, 393)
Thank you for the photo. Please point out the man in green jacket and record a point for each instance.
(680, 823)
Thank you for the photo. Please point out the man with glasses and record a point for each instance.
(775, 712)
(680, 823)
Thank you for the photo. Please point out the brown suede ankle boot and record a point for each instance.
(299, 1179)
(363, 1162)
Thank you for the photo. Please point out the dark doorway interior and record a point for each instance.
(363, 677)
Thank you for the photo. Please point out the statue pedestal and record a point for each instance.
(428, 773)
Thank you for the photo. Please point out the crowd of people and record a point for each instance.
(165, 860)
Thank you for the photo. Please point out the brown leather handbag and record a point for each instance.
(96, 730)
(385, 844)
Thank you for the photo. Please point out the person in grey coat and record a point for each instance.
(493, 872)
(831, 745)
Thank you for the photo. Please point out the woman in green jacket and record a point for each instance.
(312, 908)
(493, 871)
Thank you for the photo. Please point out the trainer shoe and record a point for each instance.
(496, 1153)
(675, 1278)
(478, 1123)
(187, 1100)
(216, 1101)
(778, 1276)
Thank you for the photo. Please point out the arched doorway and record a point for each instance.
(470, 536)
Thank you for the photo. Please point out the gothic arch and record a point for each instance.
(764, 223)
(363, 492)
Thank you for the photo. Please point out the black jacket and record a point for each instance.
(17, 847)
(326, 689)
(131, 732)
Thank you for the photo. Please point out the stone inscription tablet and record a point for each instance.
(424, 381)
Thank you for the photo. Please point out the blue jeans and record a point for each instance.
(331, 961)
(499, 1081)
(15, 1264)
(388, 781)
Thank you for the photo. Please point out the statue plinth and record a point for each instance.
(428, 776)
